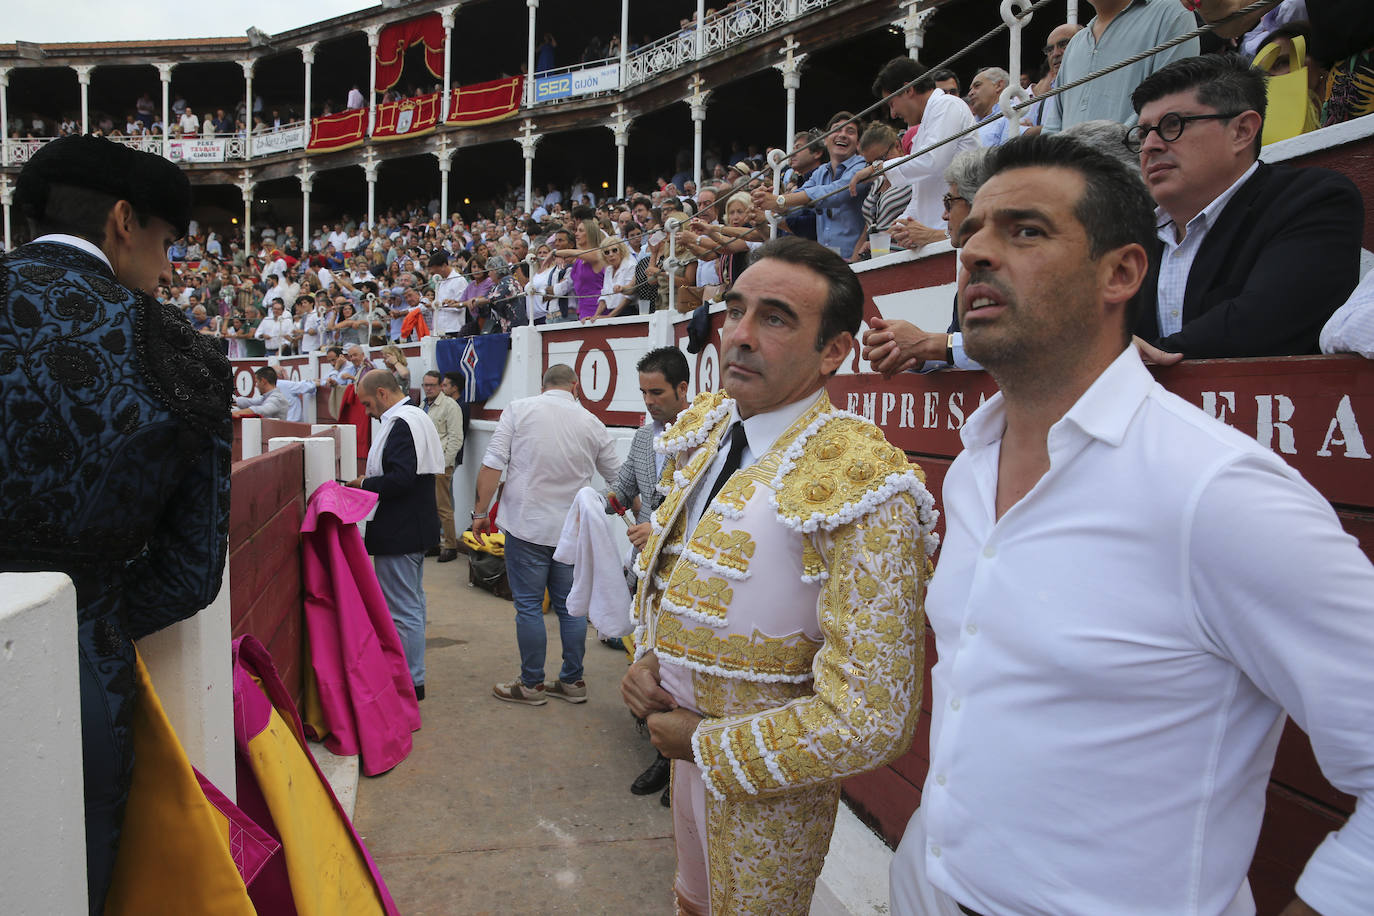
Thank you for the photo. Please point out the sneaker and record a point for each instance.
(573, 693)
(516, 692)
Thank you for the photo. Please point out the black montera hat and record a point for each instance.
(150, 183)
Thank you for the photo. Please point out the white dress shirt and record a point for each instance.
(275, 331)
(544, 291)
(1115, 657)
(548, 445)
(1177, 258)
(623, 276)
(1351, 328)
(449, 318)
(945, 115)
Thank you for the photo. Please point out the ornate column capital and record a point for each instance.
(247, 66)
(164, 71)
(370, 165)
(528, 139)
(246, 185)
(621, 126)
(374, 35)
(83, 73)
(308, 51)
(446, 14)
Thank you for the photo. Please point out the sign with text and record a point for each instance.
(577, 82)
(197, 150)
(279, 141)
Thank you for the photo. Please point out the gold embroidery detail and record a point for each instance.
(732, 549)
(691, 419)
(812, 562)
(708, 597)
(737, 491)
(838, 465)
(756, 654)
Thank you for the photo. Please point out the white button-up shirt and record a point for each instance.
(1177, 259)
(449, 318)
(548, 445)
(945, 116)
(1115, 657)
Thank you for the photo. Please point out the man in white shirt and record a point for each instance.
(449, 313)
(270, 403)
(355, 98)
(940, 116)
(1129, 597)
(549, 446)
(275, 329)
(338, 238)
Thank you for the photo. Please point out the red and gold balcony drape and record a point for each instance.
(338, 131)
(407, 117)
(397, 37)
(482, 103)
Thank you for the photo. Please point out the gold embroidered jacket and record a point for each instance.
(791, 616)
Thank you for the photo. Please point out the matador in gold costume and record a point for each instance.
(779, 622)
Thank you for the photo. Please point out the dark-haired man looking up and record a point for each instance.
(1130, 596)
(1251, 259)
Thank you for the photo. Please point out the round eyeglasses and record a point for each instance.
(949, 199)
(1170, 128)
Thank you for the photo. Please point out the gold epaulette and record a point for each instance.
(695, 423)
(841, 468)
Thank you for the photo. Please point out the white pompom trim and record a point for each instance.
(770, 758)
(726, 571)
(678, 609)
(663, 446)
(705, 772)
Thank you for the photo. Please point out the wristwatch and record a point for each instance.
(782, 201)
(949, 349)
(477, 515)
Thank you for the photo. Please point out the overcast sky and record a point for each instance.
(99, 20)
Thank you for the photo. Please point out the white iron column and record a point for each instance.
(307, 180)
(529, 70)
(624, 39)
(697, 101)
(528, 140)
(913, 25)
(165, 72)
(247, 66)
(370, 164)
(444, 153)
(308, 56)
(5, 119)
(83, 76)
(246, 185)
(621, 128)
(701, 28)
(6, 199)
(374, 34)
(446, 15)
(1072, 18)
(791, 81)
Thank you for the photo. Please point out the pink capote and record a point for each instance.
(365, 689)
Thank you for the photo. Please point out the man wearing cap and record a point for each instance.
(115, 441)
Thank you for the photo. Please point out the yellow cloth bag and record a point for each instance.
(174, 849)
(1291, 108)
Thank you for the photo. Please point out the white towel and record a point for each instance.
(598, 590)
(429, 452)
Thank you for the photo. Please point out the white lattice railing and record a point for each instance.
(234, 147)
(21, 150)
(736, 23)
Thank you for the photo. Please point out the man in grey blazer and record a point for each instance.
(663, 378)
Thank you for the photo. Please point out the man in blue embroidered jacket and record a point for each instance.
(115, 439)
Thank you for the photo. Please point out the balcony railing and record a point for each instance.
(222, 148)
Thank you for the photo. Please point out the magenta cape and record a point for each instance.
(365, 689)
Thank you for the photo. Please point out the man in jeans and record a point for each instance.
(548, 446)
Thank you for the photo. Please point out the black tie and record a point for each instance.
(738, 441)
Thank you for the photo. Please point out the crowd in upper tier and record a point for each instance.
(1230, 227)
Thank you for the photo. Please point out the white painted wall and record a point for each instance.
(43, 849)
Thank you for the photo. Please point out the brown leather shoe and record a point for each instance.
(448, 555)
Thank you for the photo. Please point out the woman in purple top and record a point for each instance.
(589, 267)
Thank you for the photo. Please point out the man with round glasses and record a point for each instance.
(1252, 258)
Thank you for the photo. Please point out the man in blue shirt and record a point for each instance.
(839, 221)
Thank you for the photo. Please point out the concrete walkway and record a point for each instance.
(503, 808)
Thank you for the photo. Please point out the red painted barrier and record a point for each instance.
(266, 597)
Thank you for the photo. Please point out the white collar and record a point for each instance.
(1209, 213)
(58, 238)
(560, 393)
(1102, 412)
(763, 429)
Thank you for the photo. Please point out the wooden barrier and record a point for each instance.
(266, 591)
